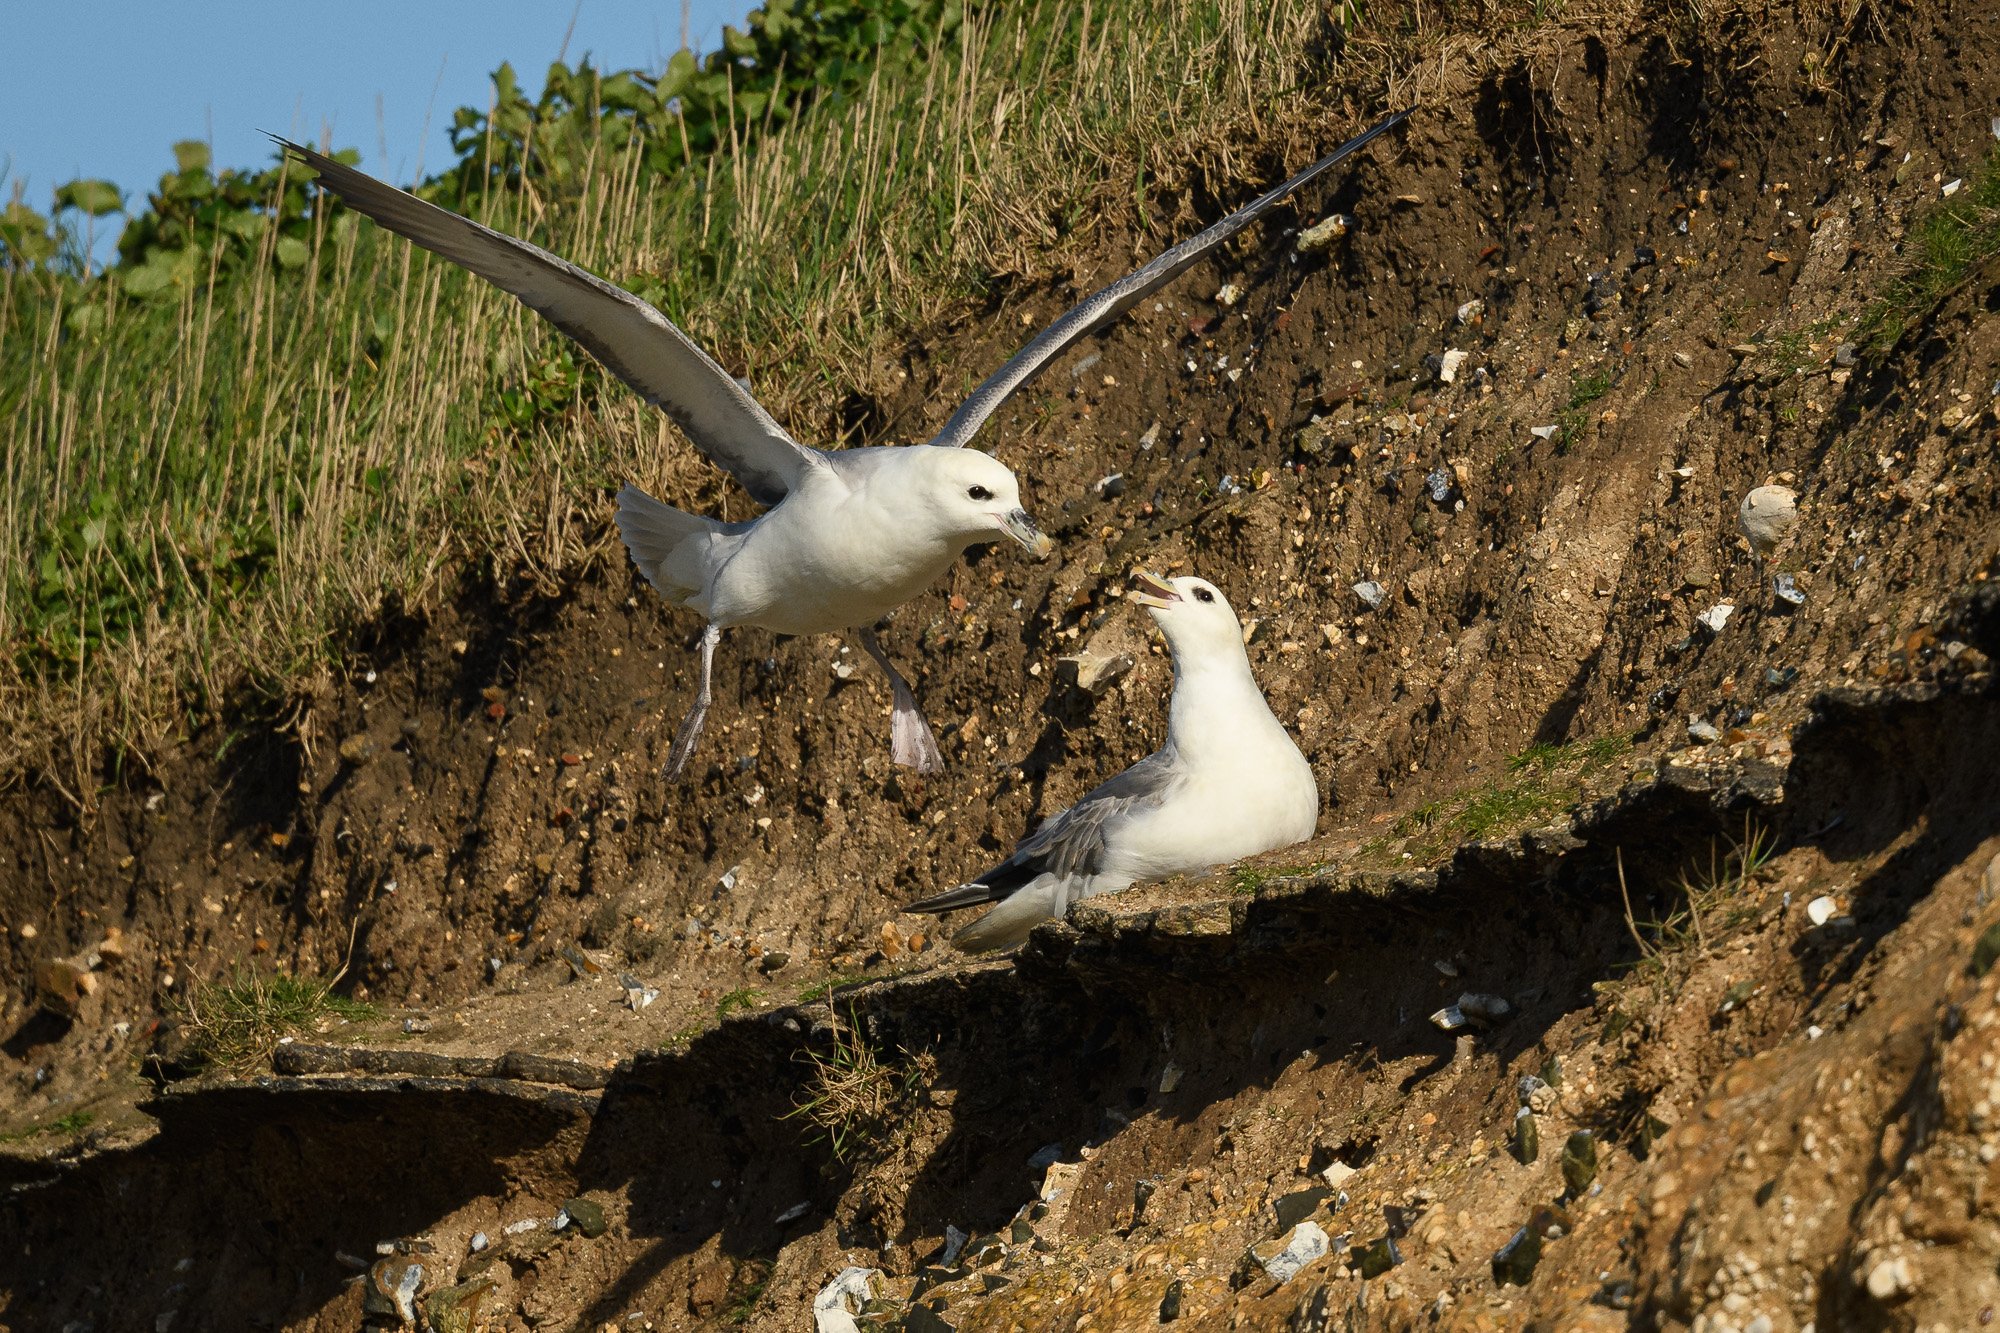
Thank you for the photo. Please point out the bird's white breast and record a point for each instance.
(829, 558)
(1250, 801)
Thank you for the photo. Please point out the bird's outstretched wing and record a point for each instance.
(634, 341)
(1072, 844)
(1103, 306)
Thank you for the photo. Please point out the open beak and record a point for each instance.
(1151, 590)
(1021, 528)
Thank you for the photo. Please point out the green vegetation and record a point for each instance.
(1543, 780)
(819, 990)
(737, 1001)
(1711, 898)
(746, 1290)
(852, 1095)
(73, 1123)
(1248, 879)
(237, 1023)
(270, 421)
(681, 1038)
(1943, 247)
(1575, 419)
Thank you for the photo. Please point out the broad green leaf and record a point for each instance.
(95, 197)
(505, 88)
(148, 279)
(680, 72)
(292, 252)
(245, 224)
(84, 320)
(623, 91)
(560, 82)
(191, 155)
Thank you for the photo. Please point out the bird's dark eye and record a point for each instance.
(1203, 595)
(979, 493)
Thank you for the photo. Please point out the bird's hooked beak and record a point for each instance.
(1016, 524)
(1150, 590)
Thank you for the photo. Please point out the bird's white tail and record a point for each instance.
(672, 549)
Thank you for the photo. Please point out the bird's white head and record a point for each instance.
(976, 498)
(1191, 612)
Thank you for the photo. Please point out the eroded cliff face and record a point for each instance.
(1728, 884)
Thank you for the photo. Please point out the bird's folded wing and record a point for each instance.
(1101, 307)
(634, 341)
(1072, 845)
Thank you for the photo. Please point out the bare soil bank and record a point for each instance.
(1654, 235)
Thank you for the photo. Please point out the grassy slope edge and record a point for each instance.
(201, 493)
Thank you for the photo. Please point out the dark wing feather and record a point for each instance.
(1072, 843)
(1100, 308)
(634, 341)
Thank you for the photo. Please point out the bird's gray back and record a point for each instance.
(1074, 843)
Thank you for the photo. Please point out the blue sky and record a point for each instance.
(104, 91)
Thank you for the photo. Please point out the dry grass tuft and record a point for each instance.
(852, 1095)
(236, 1023)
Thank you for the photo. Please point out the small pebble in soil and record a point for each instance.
(1716, 617)
(835, 1305)
(1579, 1162)
(1283, 1258)
(1765, 516)
(1986, 950)
(1371, 1261)
(1514, 1263)
(586, 1215)
(954, 1245)
(1448, 1019)
(1484, 1009)
(1891, 1279)
(1526, 1143)
(1821, 909)
(1787, 590)
(1702, 731)
(1323, 234)
(391, 1290)
(1370, 592)
(637, 993)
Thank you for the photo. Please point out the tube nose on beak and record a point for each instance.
(1151, 590)
(1022, 529)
